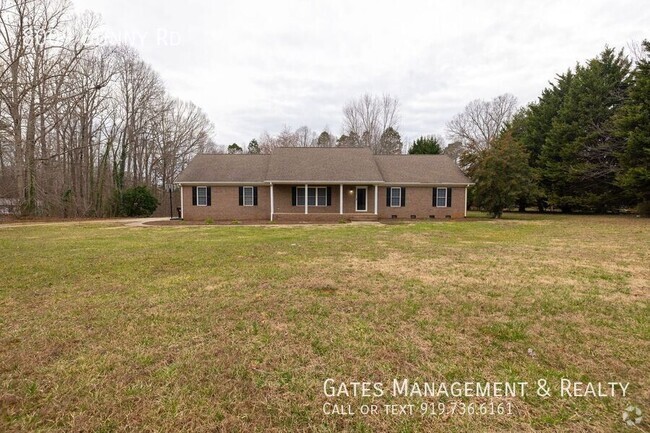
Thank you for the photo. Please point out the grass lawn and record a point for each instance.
(106, 328)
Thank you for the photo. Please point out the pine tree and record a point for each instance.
(427, 144)
(254, 147)
(324, 139)
(235, 148)
(578, 156)
(390, 142)
(531, 127)
(633, 125)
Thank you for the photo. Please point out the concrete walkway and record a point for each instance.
(127, 222)
(145, 222)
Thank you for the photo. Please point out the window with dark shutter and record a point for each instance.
(209, 195)
(201, 195)
(293, 196)
(193, 196)
(434, 197)
(388, 197)
(248, 195)
(254, 196)
(396, 197)
(241, 196)
(329, 196)
(448, 197)
(441, 197)
(403, 203)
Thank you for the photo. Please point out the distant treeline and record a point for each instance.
(81, 122)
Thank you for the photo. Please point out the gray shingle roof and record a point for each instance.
(209, 167)
(313, 164)
(433, 169)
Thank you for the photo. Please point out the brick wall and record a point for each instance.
(225, 204)
(419, 202)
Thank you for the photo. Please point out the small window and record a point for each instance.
(248, 196)
(441, 200)
(395, 197)
(201, 195)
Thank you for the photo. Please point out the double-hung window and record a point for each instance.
(321, 196)
(311, 196)
(316, 196)
(300, 196)
(441, 200)
(201, 195)
(395, 197)
(248, 196)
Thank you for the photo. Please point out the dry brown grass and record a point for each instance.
(235, 328)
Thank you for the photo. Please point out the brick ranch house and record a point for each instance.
(322, 184)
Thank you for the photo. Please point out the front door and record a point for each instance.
(362, 199)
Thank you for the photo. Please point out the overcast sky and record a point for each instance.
(256, 66)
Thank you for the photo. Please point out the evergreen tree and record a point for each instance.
(235, 148)
(502, 175)
(531, 127)
(351, 140)
(324, 140)
(138, 201)
(579, 155)
(633, 125)
(427, 145)
(254, 147)
(390, 142)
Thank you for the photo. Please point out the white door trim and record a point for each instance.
(356, 200)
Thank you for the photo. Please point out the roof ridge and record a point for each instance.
(322, 147)
(233, 154)
(411, 154)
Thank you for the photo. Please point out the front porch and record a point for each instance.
(322, 217)
(323, 202)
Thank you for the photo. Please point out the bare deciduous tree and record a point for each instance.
(478, 126)
(481, 122)
(368, 117)
(305, 137)
(79, 121)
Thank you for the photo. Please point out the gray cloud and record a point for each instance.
(255, 66)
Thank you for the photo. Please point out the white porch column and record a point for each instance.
(465, 202)
(306, 199)
(341, 199)
(182, 206)
(272, 208)
(376, 195)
